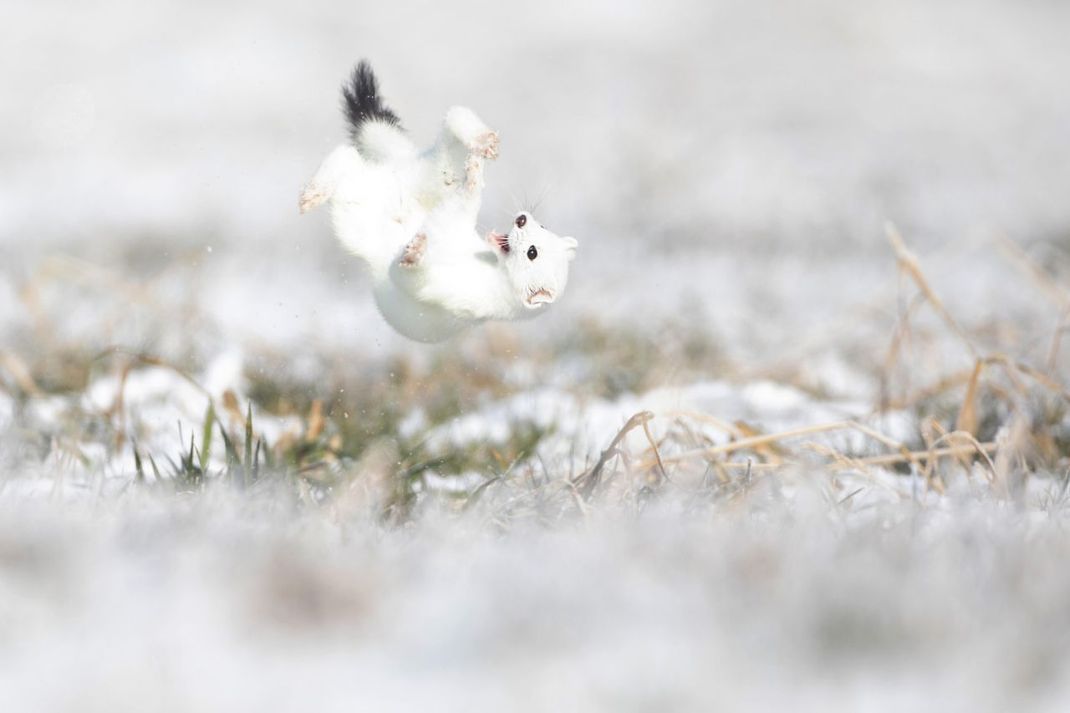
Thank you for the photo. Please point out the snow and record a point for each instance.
(228, 603)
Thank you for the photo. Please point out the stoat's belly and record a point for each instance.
(416, 320)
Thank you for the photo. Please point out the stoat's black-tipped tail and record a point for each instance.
(361, 101)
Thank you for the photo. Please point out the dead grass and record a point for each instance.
(1000, 414)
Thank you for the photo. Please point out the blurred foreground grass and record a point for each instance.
(987, 400)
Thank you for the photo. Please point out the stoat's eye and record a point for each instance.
(532, 253)
(521, 221)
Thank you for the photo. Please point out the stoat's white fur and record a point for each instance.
(411, 216)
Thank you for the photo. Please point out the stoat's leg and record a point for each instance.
(322, 185)
(413, 252)
(470, 130)
(479, 143)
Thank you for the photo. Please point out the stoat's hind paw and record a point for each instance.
(485, 145)
(414, 251)
(311, 197)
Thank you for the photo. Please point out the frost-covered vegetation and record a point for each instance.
(796, 438)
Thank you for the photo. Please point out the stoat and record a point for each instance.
(411, 216)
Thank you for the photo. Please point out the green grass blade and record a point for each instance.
(138, 466)
(155, 469)
(246, 464)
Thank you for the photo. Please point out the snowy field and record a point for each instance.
(796, 438)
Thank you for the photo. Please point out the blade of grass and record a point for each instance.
(138, 466)
(248, 437)
(206, 436)
(909, 263)
(757, 441)
(586, 482)
(968, 419)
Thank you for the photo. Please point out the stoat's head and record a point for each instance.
(535, 260)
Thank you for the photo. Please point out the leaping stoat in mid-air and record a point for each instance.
(411, 216)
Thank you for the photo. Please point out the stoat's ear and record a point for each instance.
(499, 242)
(570, 246)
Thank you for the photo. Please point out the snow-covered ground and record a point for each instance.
(779, 601)
(728, 168)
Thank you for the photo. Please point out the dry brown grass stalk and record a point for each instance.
(19, 372)
(756, 441)
(968, 419)
(718, 423)
(942, 386)
(1016, 368)
(908, 262)
(662, 475)
(586, 482)
(1057, 341)
(316, 421)
(1036, 274)
(926, 455)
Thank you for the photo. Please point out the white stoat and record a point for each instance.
(411, 216)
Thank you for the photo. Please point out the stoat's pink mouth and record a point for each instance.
(501, 240)
(539, 297)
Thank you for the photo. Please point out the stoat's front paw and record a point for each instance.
(311, 197)
(414, 251)
(485, 145)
